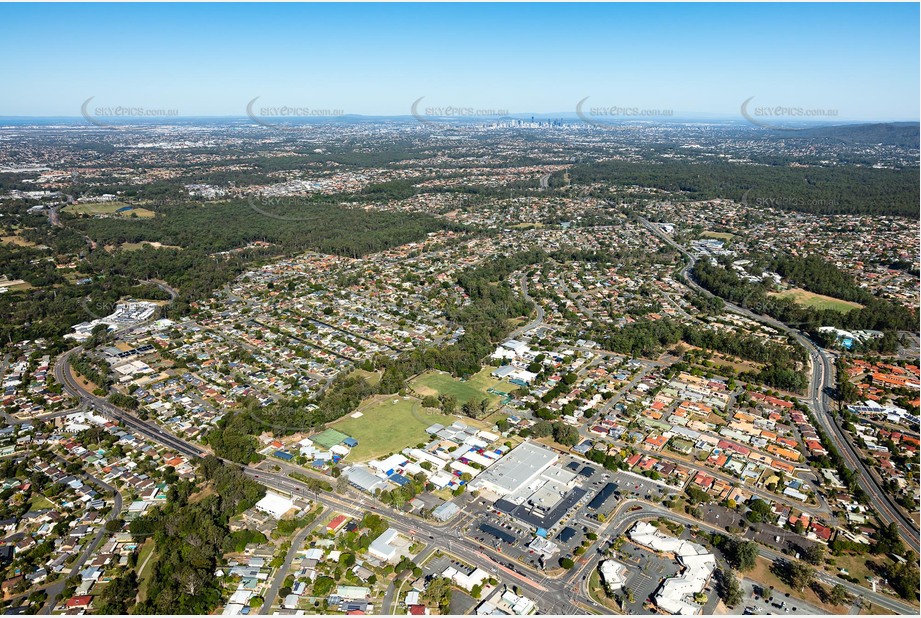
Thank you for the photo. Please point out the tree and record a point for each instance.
(448, 403)
(342, 484)
(838, 595)
(119, 595)
(814, 554)
(438, 593)
(796, 574)
(470, 408)
(740, 554)
(759, 511)
(430, 401)
(114, 525)
(541, 429)
(323, 585)
(696, 495)
(904, 578)
(567, 435)
(888, 541)
(567, 563)
(728, 587)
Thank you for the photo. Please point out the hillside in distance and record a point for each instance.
(907, 134)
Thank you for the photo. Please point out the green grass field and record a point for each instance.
(108, 208)
(371, 377)
(145, 567)
(387, 427)
(437, 383)
(724, 236)
(41, 502)
(817, 301)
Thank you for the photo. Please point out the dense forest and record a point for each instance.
(293, 224)
(650, 337)
(191, 538)
(877, 314)
(194, 234)
(819, 190)
(817, 275)
(903, 134)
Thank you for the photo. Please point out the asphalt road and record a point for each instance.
(296, 542)
(538, 319)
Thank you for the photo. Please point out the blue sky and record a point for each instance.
(211, 59)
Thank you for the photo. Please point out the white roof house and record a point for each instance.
(384, 546)
(614, 575)
(394, 461)
(275, 505)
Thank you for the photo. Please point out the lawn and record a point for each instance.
(724, 236)
(875, 610)
(371, 377)
(41, 502)
(145, 563)
(108, 208)
(817, 301)
(19, 287)
(387, 427)
(438, 383)
(17, 240)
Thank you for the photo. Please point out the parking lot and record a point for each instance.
(645, 571)
(780, 604)
(509, 536)
(766, 533)
(632, 486)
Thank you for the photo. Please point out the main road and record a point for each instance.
(538, 319)
(821, 382)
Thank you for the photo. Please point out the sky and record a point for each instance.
(861, 61)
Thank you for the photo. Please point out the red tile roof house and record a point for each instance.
(79, 602)
(703, 480)
(337, 522)
(820, 532)
(815, 447)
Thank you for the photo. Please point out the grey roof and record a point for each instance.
(362, 478)
(445, 511)
(517, 468)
